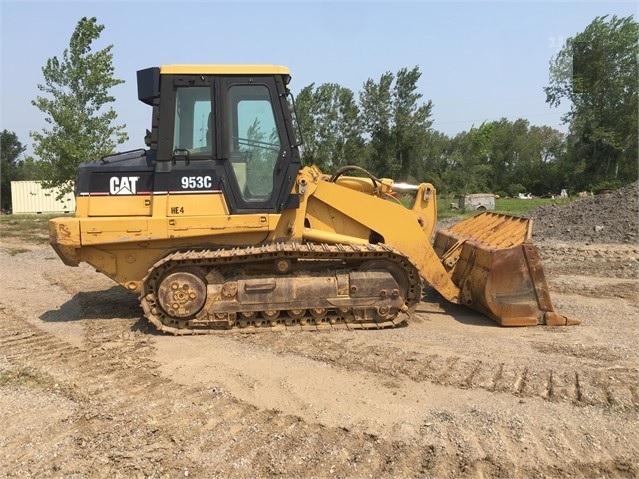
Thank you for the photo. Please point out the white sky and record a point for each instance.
(479, 60)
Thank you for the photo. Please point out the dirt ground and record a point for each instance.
(89, 389)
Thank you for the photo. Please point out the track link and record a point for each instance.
(206, 284)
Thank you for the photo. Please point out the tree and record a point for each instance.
(468, 169)
(332, 131)
(397, 124)
(77, 89)
(10, 150)
(435, 162)
(597, 72)
(377, 114)
(503, 156)
(542, 166)
(521, 156)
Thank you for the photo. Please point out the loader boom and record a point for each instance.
(487, 263)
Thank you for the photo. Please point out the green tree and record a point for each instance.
(469, 169)
(77, 94)
(596, 71)
(436, 151)
(541, 167)
(397, 123)
(10, 150)
(29, 169)
(502, 156)
(329, 119)
(521, 156)
(376, 103)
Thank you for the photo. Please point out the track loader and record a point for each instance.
(217, 226)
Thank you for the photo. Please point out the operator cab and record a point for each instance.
(223, 128)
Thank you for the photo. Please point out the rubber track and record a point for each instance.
(273, 252)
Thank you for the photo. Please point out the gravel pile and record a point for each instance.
(606, 218)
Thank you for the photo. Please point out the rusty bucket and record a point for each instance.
(498, 270)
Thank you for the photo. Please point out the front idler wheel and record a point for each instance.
(182, 294)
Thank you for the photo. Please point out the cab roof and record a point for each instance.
(224, 69)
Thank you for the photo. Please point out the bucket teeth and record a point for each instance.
(555, 319)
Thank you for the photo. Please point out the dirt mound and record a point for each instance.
(606, 218)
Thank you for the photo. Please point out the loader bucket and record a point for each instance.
(498, 270)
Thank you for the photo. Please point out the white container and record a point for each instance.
(29, 197)
(477, 202)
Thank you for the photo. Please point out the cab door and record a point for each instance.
(255, 145)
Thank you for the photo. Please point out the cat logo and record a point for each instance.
(127, 185)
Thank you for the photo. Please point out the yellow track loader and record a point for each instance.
(217, 226)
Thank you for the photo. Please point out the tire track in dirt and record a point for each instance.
(617, 388)
(127, 420)
(606, 261)
(604, 271)
(110, 394)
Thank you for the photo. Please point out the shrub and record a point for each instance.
(515, 189)
(605, 185)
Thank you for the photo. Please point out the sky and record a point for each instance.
(480, 60)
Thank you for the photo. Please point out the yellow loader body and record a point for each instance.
(217, 225)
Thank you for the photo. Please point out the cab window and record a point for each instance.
(193, 133)
(255, 141)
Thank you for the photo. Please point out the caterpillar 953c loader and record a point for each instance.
(218, 226)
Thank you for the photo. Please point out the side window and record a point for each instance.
(193, 132)
(255, 141)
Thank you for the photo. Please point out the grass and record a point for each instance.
(29, 377)
(515, 206)
(509, 206)
(24, 377)
(29, 228)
